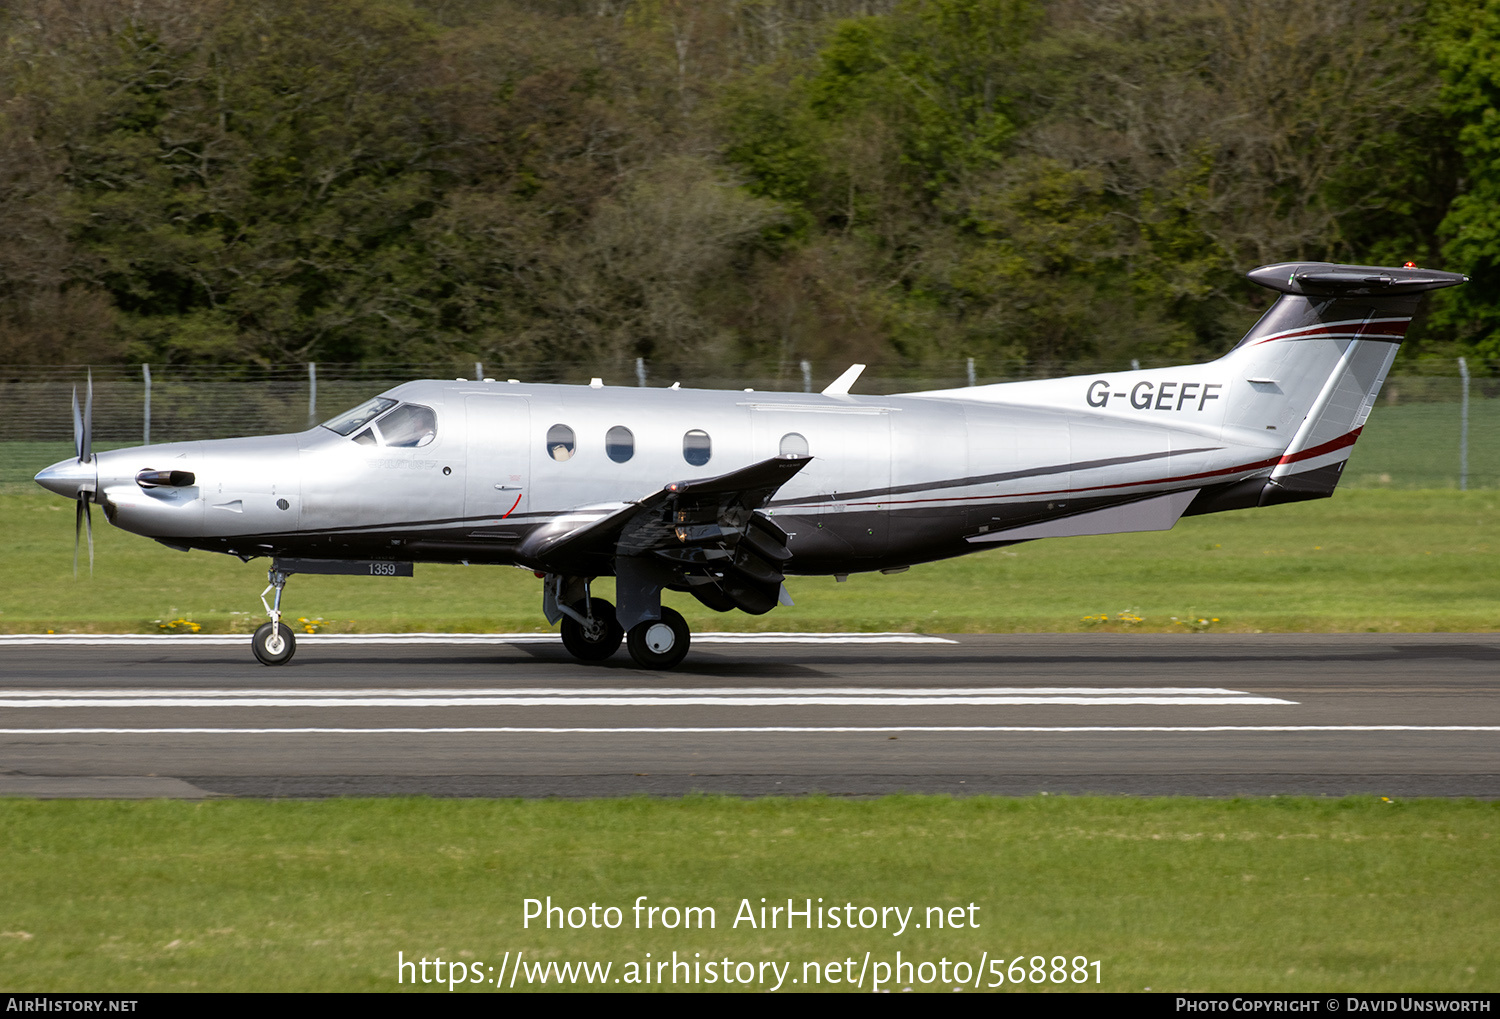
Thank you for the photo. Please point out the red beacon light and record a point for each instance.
(1408, 265)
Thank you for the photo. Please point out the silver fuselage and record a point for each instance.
(893, 480)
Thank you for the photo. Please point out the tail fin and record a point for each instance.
(1316, 361)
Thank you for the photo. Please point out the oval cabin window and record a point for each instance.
(793, 444)
(696, 447)
(619, 443)
(560, 443)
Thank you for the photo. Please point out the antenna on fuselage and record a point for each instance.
(840, 386)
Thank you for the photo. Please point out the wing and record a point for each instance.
(704, 535)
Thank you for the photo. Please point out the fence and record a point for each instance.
(1429, 430)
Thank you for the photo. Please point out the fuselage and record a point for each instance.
(893, 481)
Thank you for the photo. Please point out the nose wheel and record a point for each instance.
(659, 643)
(273, 643)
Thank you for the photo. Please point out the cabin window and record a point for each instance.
(697, 447)
(619, 443)
(352, 420)
(409, 426)
(560, 445)
(793, 444)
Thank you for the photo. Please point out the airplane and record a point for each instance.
(723, 494)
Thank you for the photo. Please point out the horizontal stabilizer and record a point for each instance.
(1328, 279)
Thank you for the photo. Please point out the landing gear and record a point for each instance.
(589, 630)
(659, 643)
(273, 643)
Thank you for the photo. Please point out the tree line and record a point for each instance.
(891, 181)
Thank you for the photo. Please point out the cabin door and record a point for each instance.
(498, 473)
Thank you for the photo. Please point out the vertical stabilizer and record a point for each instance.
(1316, 361)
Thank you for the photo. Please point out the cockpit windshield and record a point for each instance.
(366, 412)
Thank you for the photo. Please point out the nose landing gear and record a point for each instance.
(273, 643)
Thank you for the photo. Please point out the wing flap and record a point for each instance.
(704, 532)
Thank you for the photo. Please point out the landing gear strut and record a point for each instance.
(273, 643)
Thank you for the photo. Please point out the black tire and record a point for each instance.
(602, 642)
(660, 644)
(261, 645)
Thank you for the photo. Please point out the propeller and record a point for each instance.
(82, 520)
(83, 445)
(83, 424)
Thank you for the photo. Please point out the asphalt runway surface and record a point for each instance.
(846, 715)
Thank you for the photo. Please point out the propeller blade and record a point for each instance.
(88, 526)
(77, 527)
(88, 424)
(77, 428)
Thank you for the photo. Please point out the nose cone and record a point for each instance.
(69, 477)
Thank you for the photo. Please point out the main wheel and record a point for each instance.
(661, 643)
(595, 643)
(274, 646)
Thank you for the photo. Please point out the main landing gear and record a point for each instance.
(661, 643)
(592, 633)
(273, 643)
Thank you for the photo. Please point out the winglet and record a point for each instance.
(840, 386)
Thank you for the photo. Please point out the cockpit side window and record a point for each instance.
(409, 425)
(352, 420)
(366, 437)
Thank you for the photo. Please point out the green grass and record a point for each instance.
(1415, 445)
(1382, 561)
(1268, 895)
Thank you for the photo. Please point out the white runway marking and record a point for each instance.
(711, 729)
(457, 639)
(630, 697)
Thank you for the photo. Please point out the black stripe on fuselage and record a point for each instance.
(984, 479)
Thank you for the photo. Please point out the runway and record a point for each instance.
(788, 714)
